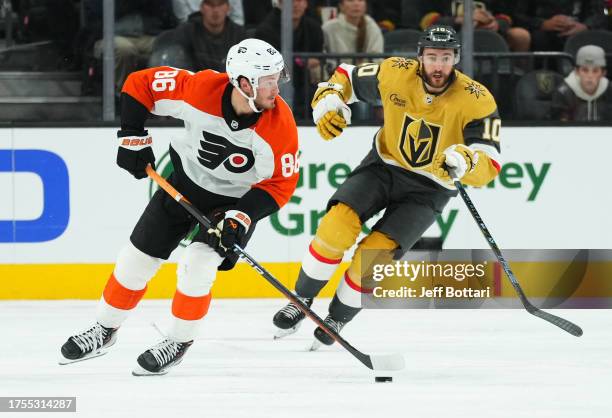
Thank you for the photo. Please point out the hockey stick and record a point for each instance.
(564, 324)
(374, 362)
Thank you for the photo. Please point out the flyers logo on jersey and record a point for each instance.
(216, 150)
(418, 141)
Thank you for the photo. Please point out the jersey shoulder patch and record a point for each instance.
(479, 102)
(397, 66)
(401, 63)
(393, 69)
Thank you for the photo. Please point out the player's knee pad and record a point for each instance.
(197, 269)
(377, 241)
(376, 248)
(337, 231)
(134, 268)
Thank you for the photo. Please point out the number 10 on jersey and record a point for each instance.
(491, 129)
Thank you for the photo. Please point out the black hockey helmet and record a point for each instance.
(441, 37)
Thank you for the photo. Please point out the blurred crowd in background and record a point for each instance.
(542, 59)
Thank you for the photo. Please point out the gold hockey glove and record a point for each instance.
(457, 157)
(330, 114)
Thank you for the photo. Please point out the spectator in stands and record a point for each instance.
(315, 6)
(321, 9)
(209, 33)
(307, 34)
(255, 11)
(307, 37)
(137, 22)
(551, 22)
(353, 30)
(388, 14)
(493, 15)
(586, 93)
(185, 8)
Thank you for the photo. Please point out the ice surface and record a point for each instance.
(459, 363)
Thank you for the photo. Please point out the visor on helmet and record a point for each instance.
(273, 80)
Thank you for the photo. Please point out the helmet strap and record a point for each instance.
(250, 100)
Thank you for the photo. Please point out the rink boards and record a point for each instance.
(66, 209)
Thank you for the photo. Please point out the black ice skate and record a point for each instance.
(289, 319)
(321, 337)
(92, 343)
(158, 359)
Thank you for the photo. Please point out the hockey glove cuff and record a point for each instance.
(135, 152)
(331, 115)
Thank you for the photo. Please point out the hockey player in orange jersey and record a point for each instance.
(435, 117)
(237, 163)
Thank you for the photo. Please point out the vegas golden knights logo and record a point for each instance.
(418, 141)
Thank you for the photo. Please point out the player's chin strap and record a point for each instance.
(250, 100)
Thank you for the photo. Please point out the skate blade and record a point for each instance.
(282, 333)
(64, 361)
(139, 371)
(316, 344)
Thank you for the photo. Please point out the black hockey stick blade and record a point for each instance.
(381, 362)
(564, 324)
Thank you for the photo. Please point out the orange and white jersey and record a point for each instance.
(221, 152)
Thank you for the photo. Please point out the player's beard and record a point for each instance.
(437, 79)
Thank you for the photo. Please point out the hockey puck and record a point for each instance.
(381, 379)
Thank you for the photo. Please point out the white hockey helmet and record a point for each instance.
(253, 59)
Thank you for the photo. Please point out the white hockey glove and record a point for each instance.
(459, 158)
(331, 115)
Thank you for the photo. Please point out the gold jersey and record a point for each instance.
(419, 125)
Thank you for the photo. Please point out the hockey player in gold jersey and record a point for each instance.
(435, 117)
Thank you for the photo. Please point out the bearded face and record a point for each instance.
(437, 66)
